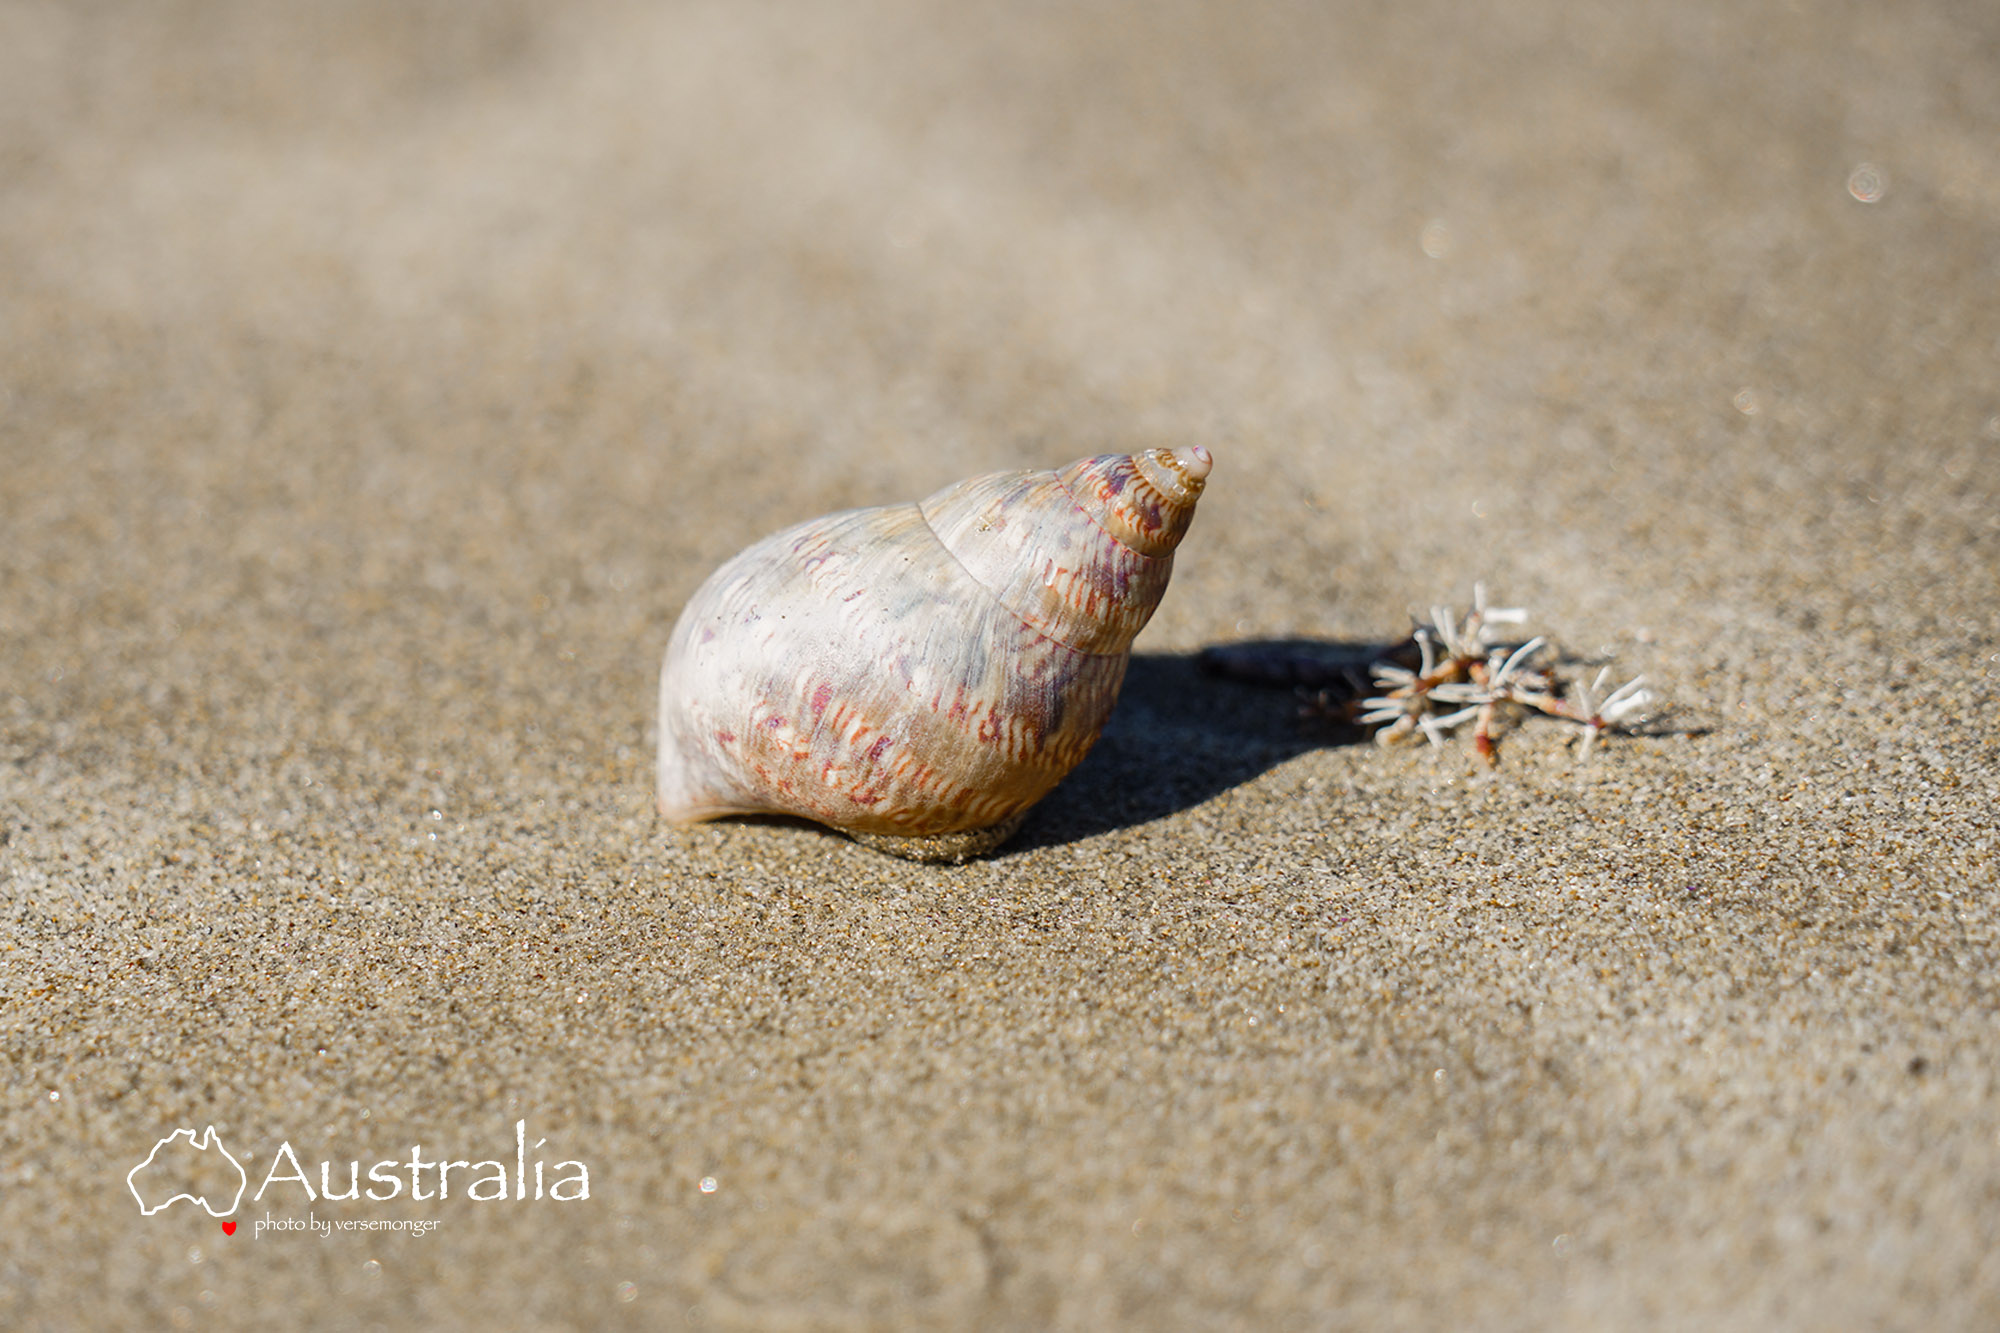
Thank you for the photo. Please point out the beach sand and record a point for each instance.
(377, 380)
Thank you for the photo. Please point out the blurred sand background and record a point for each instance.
(377, 380)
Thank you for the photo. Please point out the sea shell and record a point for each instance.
(919, 675)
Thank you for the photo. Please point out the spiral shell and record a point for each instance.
(919, 675)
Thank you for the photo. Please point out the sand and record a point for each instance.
(378, 379)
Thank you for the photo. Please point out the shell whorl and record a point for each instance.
(923, 669)
(1090, 584)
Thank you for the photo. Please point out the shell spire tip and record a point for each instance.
(1195, 461)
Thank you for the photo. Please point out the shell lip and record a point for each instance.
(702, 812)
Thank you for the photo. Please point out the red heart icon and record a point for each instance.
(228, 1228)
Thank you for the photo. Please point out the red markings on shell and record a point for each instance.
(922, 669)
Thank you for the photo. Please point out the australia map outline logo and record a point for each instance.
(186, 1160)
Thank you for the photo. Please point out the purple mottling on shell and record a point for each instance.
(1145, 501)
